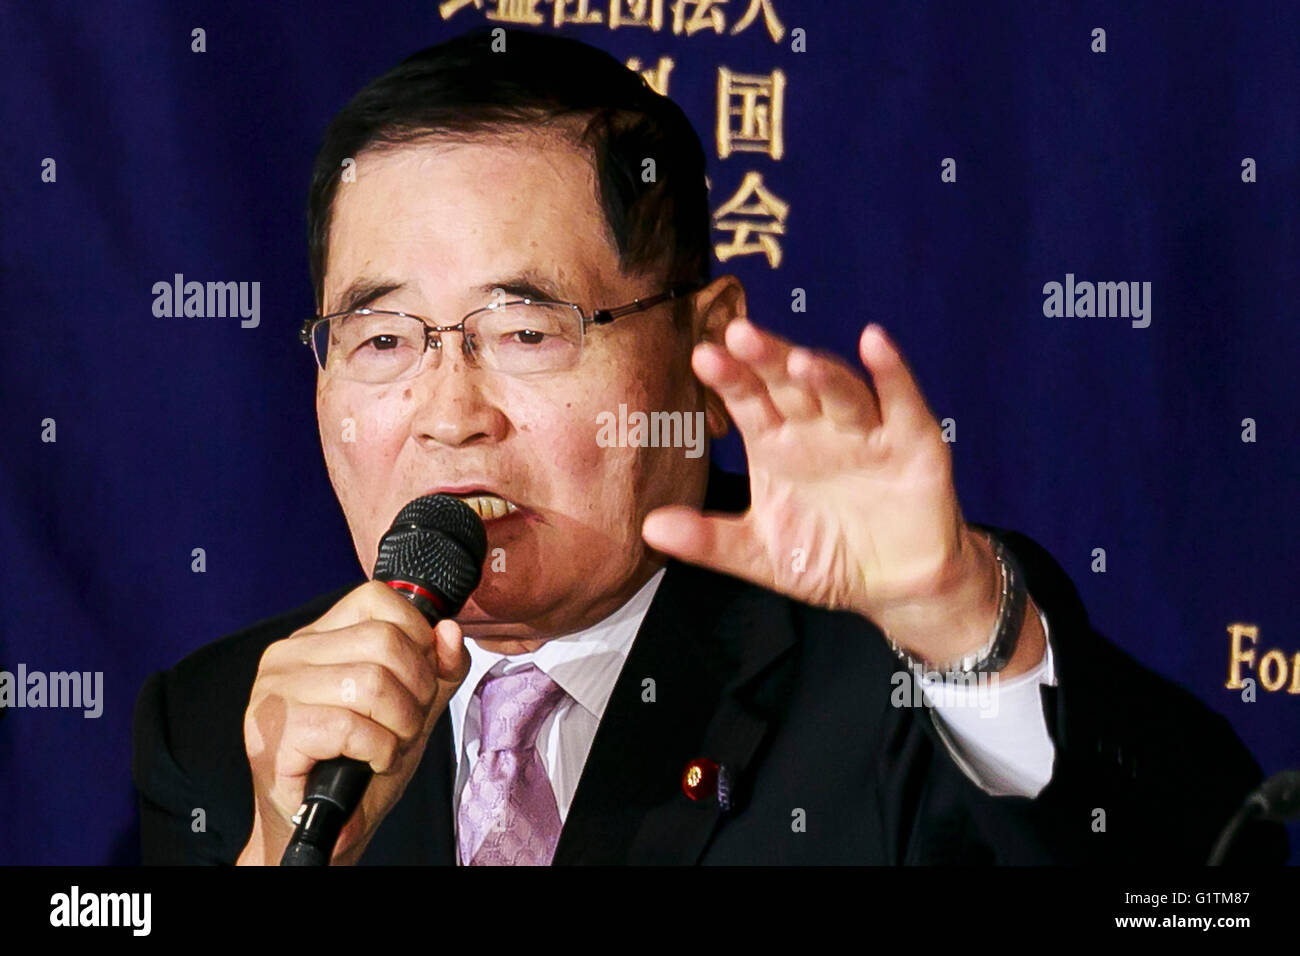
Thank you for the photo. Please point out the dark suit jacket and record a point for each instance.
(795, 702)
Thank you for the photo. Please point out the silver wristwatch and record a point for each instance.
(997, 653)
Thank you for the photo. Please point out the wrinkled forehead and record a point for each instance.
(445, 217)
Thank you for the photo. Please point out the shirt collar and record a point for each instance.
(586, 663)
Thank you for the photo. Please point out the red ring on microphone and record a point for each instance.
(412, 588)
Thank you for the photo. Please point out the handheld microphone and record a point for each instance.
(433, 556)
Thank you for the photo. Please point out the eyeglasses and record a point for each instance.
(517, 337)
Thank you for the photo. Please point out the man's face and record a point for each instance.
(450, 223)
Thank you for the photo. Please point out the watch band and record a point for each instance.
(1001, 646)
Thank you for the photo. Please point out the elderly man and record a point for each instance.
(662, 663)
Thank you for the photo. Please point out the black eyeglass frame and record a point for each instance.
(598, 317)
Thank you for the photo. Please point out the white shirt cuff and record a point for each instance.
(995, 729)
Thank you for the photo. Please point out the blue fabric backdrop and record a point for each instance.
(182, 433)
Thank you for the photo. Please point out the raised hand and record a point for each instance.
(852, 498)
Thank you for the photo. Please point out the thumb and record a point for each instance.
(720, 543)
(452, 657)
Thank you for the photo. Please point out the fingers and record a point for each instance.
(902, 406)
(368, 689)
(842, 394)
(767, 381)
(362, 668)
(322, 733)
(375, 600)
(745, 394)
(301, 711)
(368, 642)
(767, 355)
(372, 668)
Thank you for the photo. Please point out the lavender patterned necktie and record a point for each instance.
(508, 815)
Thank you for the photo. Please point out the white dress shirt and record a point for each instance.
(586, 664)
(996, 734)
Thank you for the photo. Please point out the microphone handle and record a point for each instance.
(334, 788)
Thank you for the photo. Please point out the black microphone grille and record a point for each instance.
(449, 515)
(438, 542)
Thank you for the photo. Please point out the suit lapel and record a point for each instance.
(704, 641)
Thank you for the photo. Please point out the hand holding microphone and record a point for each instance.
(358, 691)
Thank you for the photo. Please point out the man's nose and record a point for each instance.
(454, 408)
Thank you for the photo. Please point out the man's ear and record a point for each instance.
(717, 304)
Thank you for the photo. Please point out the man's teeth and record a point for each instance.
(490, 506)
